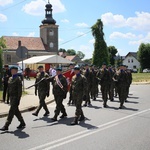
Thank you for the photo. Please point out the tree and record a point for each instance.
(62, 50)
(144, 55)
(71, 52)
(88, 61)
(80, 54)
(100, 53)
(112, 53)
(2, 46)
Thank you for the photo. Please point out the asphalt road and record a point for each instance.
(104, 128)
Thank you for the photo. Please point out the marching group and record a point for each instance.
(82, 84)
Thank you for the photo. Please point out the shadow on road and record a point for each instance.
(19, 133)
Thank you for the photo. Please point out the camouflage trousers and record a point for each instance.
(59, 105)
(104, 90)
(111, 91)
(14, 111)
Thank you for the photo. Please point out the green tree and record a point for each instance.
(112, 53)
(71, 52)
(80, 54)
(144, 55)
(62, 50)
(100, 53)
(88, 61)
(2, 46)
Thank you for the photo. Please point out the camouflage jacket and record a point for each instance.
(15, 86)
(43, 85)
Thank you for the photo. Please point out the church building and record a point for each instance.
(46, 44)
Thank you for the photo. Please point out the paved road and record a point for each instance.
(104, 128)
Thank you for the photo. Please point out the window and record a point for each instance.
(8, 58)
(51, 45)
(51, 32)
(132, 60)
(134, 67)
(128, 60)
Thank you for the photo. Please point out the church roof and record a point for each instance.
(134, 54)
(31, 43)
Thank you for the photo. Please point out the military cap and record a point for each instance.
(104, 63)
(58, 69)
(40, 67)
(109, 65)
(76, 67)
(121, 65)
(14, 67)
(71, 64)
(86, 65)
(6, 65)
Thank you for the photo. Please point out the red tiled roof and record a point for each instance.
(31, 43)
(70, 57)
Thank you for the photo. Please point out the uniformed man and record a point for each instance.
(15, 93)
(121, 78)
(87, 73)
(43, 89)
(104, 77)
(60, 91)
(79, 90)
(5, 78)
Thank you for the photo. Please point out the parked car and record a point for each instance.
(146, 70)
(33, 73)
(20, 72)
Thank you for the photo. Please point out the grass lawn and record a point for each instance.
(141, 77)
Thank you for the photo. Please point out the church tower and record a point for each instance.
(49, 31)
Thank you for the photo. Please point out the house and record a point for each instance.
(131, 61)
(46, 44)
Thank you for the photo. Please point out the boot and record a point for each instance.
(22, 125)
(75, 121)
(63, 115)
(46, 113)
(34, 114)
(82, 117)
(4, 128)
(54, 118)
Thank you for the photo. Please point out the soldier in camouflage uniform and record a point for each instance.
(111, 83)
(88, 75)
(79, 90)
(43, 89)
(15, 93)
(121, 78)
(104, 77)
(60, 88)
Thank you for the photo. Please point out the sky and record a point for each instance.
(126, 22)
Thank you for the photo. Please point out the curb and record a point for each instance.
(26, 109)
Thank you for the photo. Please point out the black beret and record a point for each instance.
(58, 69)
(14, 67)
(40, 67)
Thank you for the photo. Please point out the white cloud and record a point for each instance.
(92, 41)
(145, 39)
(37, 7)
(60, 40)
(81, 34)
(31, 34)
(81, 25)
(115, 35)
(65, 21)
(88, 51)
(113, 20)
(5, 2)
(3, 18)
(140, 22)
(15, 34)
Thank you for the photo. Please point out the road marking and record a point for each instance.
(85, 133)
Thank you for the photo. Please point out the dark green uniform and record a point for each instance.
(121, 77)
(104, 76)
(15, 92)
(43, 91)
(79, 89)
(59, 90)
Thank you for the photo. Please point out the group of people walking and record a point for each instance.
(82, 84)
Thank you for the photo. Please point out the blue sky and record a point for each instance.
(126, 22)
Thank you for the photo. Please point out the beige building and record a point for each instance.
(46, 44)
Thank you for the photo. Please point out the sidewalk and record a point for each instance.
(28, 102)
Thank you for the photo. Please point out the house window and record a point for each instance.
(134, 67)
(51, 33)
(51, 45)
(128, 60)
(8, 58)
(132, 60)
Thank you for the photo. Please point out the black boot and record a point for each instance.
(34, 114)
(75, 121)
(22, 125)
(63, 115)
(82, 117)
(46, 113)
(54, 118)
(4, 128)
